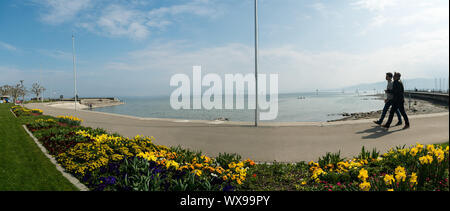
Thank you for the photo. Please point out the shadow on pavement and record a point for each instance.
(376, 132)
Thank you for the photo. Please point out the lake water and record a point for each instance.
(314, 107)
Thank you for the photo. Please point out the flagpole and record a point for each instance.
(256, 62)
(74, 70)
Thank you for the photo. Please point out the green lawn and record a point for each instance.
(23, 167)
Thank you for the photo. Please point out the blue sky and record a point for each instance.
(133, 47)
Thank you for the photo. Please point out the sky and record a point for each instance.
(134, 47)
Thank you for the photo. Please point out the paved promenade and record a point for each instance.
(282, 142)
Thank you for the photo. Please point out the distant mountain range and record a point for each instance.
(411, 84)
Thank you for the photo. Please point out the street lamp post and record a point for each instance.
(256, 62)
(74, 71)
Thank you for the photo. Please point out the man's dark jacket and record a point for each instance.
(399, 93)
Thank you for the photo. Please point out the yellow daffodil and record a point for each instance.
(400, 174)
(413, 179)
(363, 174)
(364, 186)
(389, 179)
(427, 159)
(414, 151)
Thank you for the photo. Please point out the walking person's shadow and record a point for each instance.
(376, 132)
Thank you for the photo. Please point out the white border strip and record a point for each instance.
(69, 177)
(13, 113)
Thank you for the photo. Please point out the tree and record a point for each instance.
(18, 90)
(22, 90)
(5, 90)
(37, 89)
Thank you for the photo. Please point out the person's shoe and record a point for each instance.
(385, 127)
(399, 123)
(406, 127)
(377, 122)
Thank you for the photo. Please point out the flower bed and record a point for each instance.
(21, 111)
(403, 169)
(69, 120)
(36, 112)
(110, 162)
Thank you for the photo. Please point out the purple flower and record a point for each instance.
(228, 188)
(110, 180)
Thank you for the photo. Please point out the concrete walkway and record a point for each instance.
(282, 142)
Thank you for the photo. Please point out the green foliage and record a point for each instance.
(188, 155)
(330, 158)
(366, 155)
(142, 175)
(224, 158)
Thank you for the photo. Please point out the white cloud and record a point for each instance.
(60, 11)
(431, 15)
(324, 10)
(120, 21)
(131, 19)
(196, 7)
(320, 7)
(298, 70)
(439, 34)
(416, 14)
(7, 46)
(374, 5)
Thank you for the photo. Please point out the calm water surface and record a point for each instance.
(314, 107)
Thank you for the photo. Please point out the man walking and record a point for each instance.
(398, 102)
(388, 101)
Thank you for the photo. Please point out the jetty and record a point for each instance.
(86, 102)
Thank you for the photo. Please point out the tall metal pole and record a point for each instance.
(256, 62)
(42, 79)
(74, 71)
(435, 85)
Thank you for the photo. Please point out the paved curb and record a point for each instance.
(13, 113)
(68, 176)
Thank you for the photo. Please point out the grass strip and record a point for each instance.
(23, 167)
